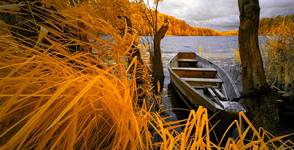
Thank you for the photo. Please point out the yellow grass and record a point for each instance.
(53, 99)
(280, 56)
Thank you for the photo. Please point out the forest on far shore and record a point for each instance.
(141, 19)
(268, 26)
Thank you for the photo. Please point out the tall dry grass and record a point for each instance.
(51, 98)
(280, 63)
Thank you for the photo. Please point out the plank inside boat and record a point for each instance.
(195, 72)
(219, 94)
(187, 60)
(213, 82)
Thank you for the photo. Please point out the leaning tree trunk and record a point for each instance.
(258, 98)
(158, 74)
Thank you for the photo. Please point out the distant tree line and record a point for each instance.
(140, 16)
(279, 25)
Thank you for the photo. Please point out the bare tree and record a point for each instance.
(158, 34)
(157, 65)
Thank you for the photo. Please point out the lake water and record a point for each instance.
(222, 50)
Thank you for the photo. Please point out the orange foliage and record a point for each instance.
(277, 26)
(141, 17)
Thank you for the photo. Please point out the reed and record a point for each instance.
(280, 56)
(70, 86)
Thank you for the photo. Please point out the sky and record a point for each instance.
(220, 14)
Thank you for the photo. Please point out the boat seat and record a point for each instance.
(195, 72)
(187, 62)
(203, 82)
(186, 55)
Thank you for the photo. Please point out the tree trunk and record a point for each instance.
(258, 97)
(158, 74)
(253, 74)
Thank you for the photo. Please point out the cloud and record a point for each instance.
(221, 23)
(220, 14)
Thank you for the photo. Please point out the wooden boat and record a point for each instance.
(201, 82)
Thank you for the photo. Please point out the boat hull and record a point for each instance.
(196, 98)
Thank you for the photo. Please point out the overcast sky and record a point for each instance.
(220, 14)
